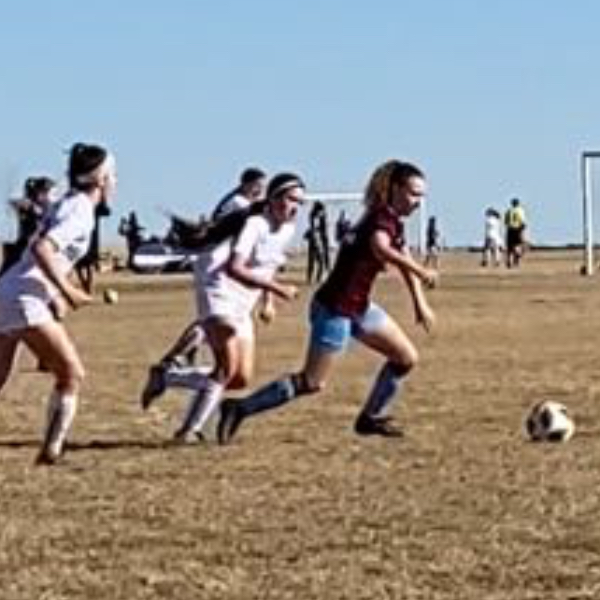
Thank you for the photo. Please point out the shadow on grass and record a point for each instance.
(93, 444)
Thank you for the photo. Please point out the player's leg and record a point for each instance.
(51, 344)
(8, 352)
(246, 342)
(227, 349)
(190, 339)
(329, 336)
(169, 372)
(381, 333)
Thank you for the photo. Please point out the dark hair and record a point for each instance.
(391, 172)
(37, 185)
(83, 159)
(251, 175)
(281, 183)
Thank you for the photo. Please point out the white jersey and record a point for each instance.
(264, 251)
(68, 224)
(493, 230)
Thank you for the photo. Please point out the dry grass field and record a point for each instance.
(297, 507)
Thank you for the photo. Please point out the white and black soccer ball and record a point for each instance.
(549, 421)
(110, 296)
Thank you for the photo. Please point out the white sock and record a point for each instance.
(61, 412)
(201, 407)
(190, 378)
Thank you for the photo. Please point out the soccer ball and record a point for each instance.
(549, 421)
(111, 296)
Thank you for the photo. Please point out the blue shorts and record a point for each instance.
(331, 331)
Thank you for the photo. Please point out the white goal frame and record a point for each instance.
(588, 204)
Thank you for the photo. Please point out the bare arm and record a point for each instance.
(386, 252)
(413, 273)
(266, 311)
(423, 312)
(239, 270)
(44, 252)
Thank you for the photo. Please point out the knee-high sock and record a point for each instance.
(61, 412)
(190, 341)
(201, 407)
(386, 387)
(191, 378)
(270, 396)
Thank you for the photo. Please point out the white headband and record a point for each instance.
(106, 170)
(286, 186)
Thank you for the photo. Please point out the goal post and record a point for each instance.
(587, 159)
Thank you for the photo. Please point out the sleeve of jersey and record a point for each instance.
(385, 222)
(248, 237)
(63, 226)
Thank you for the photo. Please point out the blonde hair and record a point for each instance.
(379, 188)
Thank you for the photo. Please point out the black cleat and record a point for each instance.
(155, 386)
(230, 421)
(383, 426)
(47, 457)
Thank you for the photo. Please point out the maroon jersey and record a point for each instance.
(348, 286)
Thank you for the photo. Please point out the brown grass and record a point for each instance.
(298, 507)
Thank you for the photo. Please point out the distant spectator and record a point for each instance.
(343, 225)
(318, 243)
(516, 223)
(29, 212)
(322, 227)
(131, 230)
(492, 243)
(433, 243)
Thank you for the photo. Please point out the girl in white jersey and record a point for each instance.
(35, 293)
(250, 189)
(235, 275)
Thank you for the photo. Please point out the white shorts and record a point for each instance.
(217, 301)
(23, 312)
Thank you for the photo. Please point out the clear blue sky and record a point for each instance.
(492, 99)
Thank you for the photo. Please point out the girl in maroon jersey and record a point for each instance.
(341, 308)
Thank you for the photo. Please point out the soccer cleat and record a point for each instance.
(383, 426)
(48, 457)
(155, 386)
(186, 438)
(230, 421)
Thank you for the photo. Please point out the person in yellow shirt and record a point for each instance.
(515, 223)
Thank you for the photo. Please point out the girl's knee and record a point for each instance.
(70, 376)
(413, 359)
(239, 381)
(231, 378)
(407, 361)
